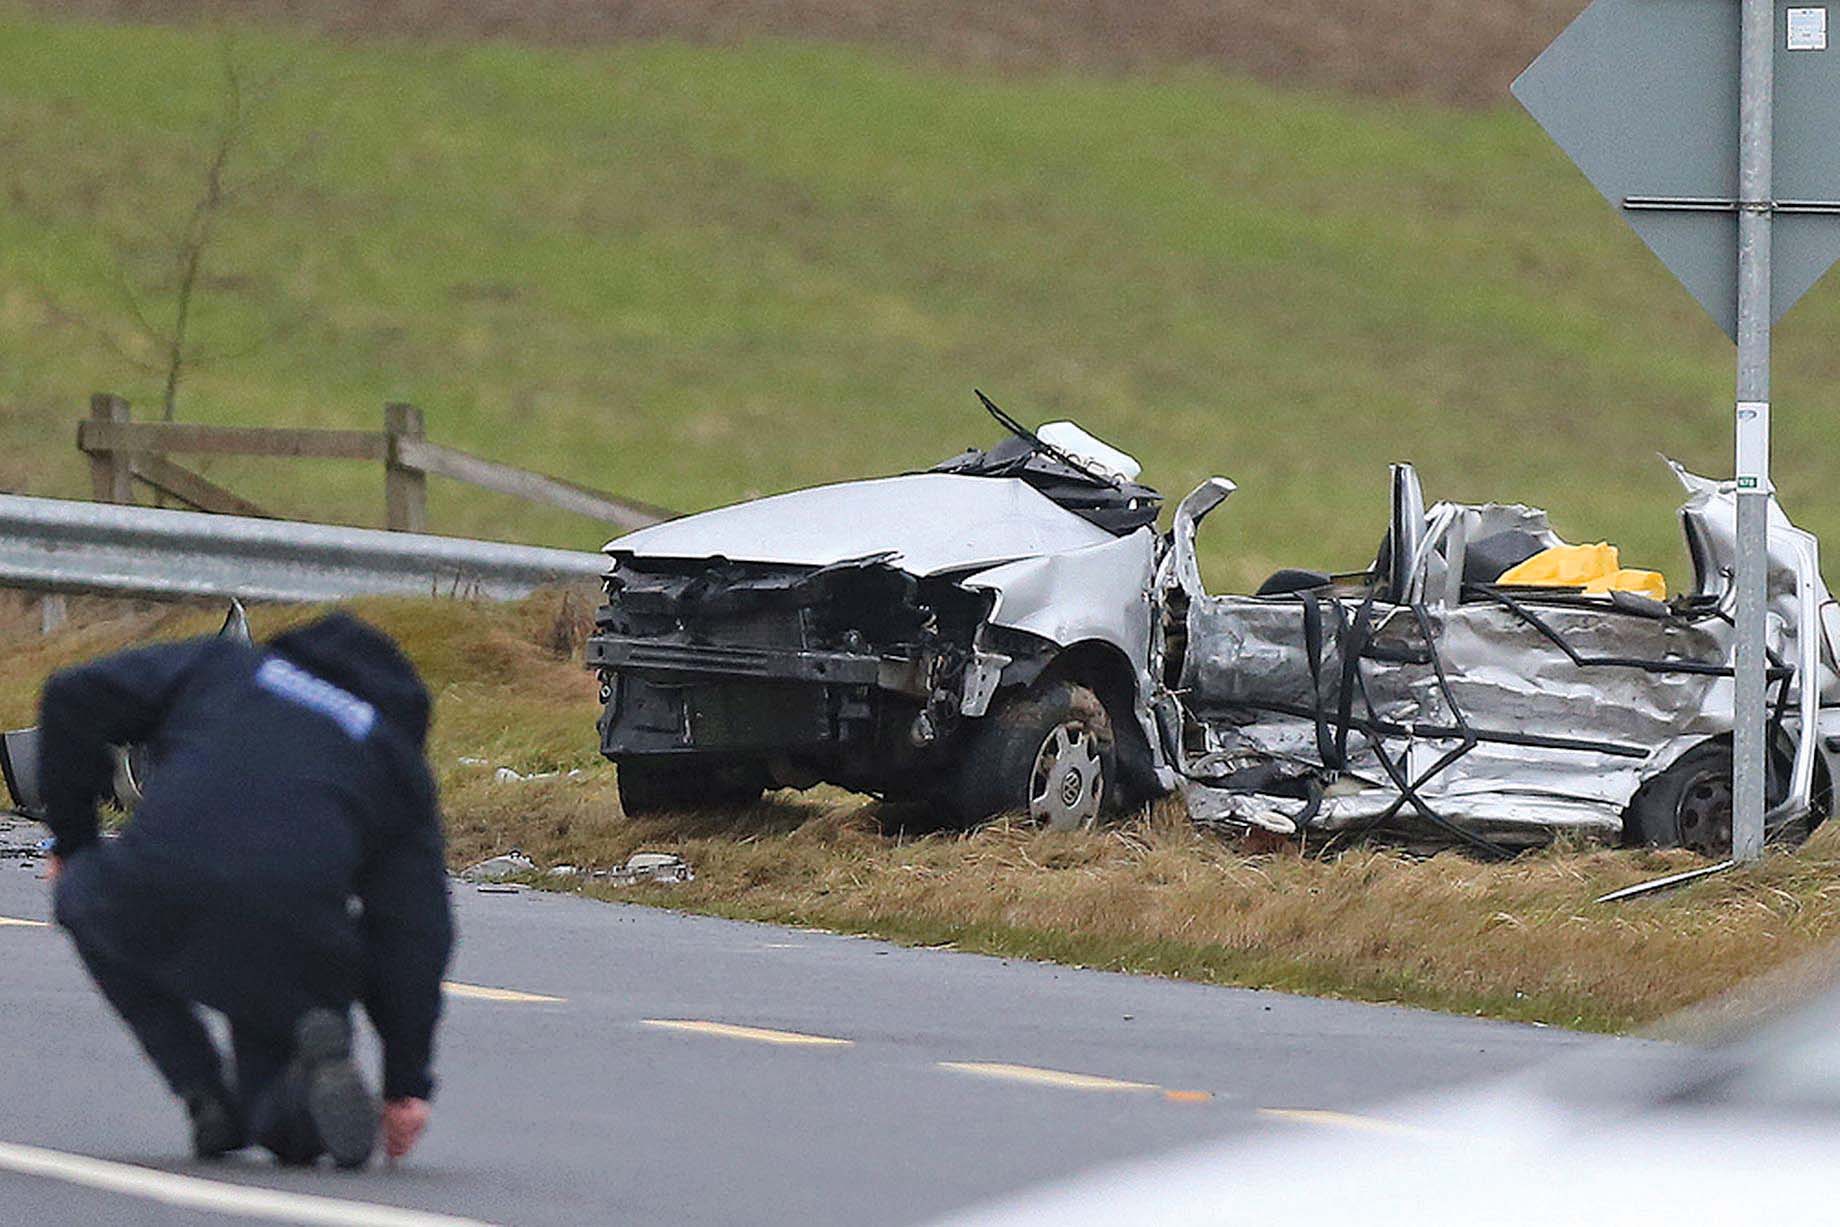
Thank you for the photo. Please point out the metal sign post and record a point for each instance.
(1671, 109)
(1756, 109)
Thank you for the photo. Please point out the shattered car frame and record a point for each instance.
(1009, 631)
(1424, 698)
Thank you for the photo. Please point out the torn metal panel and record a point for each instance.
(1223, 807)
(1099, 593)
(1798, 611)
(1509, 818)
(1501, 715)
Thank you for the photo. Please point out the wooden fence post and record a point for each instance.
(111, 473)
(405, 490)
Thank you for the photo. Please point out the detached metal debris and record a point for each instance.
(639, 867)
(497, 868)
(1009, 631)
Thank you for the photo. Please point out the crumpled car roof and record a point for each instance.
(933, 522)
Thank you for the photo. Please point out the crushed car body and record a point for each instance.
(1424, 696)
(1011, 632)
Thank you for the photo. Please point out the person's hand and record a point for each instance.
(403, 1122)
(54, 867)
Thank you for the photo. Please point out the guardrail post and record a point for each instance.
(52, 613)
(111, 473)
(405, 489)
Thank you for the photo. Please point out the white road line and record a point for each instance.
(733, 1032)
(480, 992)
(1045, 1077)
(216, 1196)
(24, 924)
(1340, 1120)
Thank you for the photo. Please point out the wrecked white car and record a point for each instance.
(1010, 632)
(977, 635)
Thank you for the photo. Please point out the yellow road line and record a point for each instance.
(24, 924)
(1339, 1120)
(733, 1032)
(1045, 1077)
(479, 992)
(196, 1193)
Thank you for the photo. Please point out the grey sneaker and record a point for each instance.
(342, 1109)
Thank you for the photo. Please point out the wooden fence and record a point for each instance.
(122, 451)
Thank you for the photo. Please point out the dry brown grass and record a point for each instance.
(1463, 51)
(1517, 940)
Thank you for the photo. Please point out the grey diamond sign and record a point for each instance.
(1643, 96)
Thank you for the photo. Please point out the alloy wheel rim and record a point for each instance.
(1067, 784)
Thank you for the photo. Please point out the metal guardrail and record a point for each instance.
(65, 546)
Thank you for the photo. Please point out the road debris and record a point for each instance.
(511, 775)
(507, 775)
(494, 869)
(1672, 880)
(647, 867)
(23, 840)
(639, 867)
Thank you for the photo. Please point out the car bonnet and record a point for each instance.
(931, 522)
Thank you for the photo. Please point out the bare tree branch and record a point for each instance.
(186, 253)
(201, 227)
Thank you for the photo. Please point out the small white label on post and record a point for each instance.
(1754, 445)
(1808, 29)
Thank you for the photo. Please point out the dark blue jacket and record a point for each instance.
(282, 782)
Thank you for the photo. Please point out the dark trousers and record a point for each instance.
(158, 958)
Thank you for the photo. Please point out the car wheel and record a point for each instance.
(1047, 752)
(650, 786)
(1686, 806)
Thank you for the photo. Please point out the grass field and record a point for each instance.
(693, 273)
(1520, 940)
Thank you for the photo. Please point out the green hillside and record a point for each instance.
(690, 274)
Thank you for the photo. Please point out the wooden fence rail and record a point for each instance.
(122, 451)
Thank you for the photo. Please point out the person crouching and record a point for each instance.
(285, 860)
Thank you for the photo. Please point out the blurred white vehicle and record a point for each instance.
(1740, 1132)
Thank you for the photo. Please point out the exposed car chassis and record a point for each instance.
(1009, 631)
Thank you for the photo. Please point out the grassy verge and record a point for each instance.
(1519, 940)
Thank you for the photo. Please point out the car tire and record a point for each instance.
(1047, 752)
(1689, 805)
(651, 786)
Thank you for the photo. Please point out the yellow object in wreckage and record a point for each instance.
(1595, 568)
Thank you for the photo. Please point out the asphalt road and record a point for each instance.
(600, 1082)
